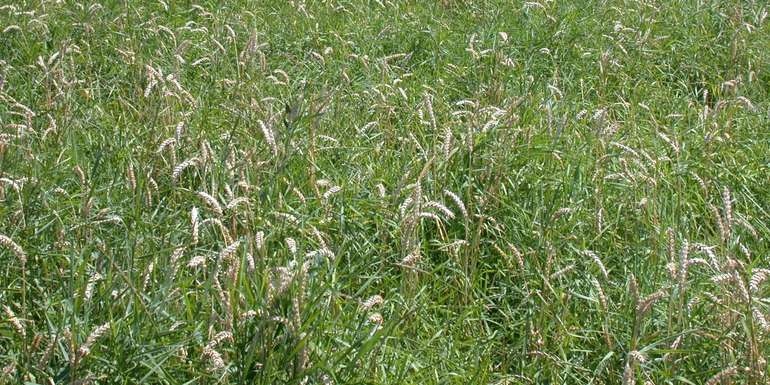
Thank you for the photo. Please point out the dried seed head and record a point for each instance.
(757, 278)
(761, 320)
(291, 244)
(728, 206)
(412, 259)
(194, 219)
(212, 202)
(219, 337)
(722, 375)
(561, 212)
(745, 250)
(259, 240)
(376, 318)
(269, 137)
(519, 256)
(671, 244)
(404, 206)
(723, 231)
(170, 142)
(85, 349)
(458, 202)
(320, 253)
(299, 195)
(673, 143)
(633, 289)
(287, 217)
(429, 215)
(683, 257)
(722, 278)
(600, 219)
(228, 251)
(81, 175)
(181, 167)
(381, 192)
(178, 131)
(429, 107)
(175, 257)
(147, 276)
(131, 177)
(646, 304)
(629, 376)
(331, 191)
(600, 291)
(250, 265)
(696, 261)
(214, 358)
(248, 315)
(709, 251)
(319, 237)
(236, 202)
(700, 181)
(15, 249)
(562, 271)
(598, 262)
(16, 322)
(282, 277)
(196, 261)
(372, 302)
(448, 214)
(745, 223)
(92, 281)
(637, 356)
(742, 289)
(447, 142)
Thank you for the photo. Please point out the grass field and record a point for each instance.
(384, 192)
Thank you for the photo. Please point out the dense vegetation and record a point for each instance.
(384, 192)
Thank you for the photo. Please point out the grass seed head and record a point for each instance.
(458, 202)
(97, 333)
(372, 301)
(15, 249)
(15, 321)
(212, 202)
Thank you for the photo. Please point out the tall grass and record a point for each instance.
(384, 192)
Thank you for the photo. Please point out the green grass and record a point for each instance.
(630, 129)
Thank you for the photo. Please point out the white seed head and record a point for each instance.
(376, 318)
(237, 201)
(15, 249)
(15, 321)
(228, 251)
(292, 245)
(405, 205)
(458, 202)
(92, 281)
(181, 167)
(215, 359)
(331, 191)
(269, 137)
(598, 261)
(259, 240)
(722, 375)
(372, 301)
(196, 261)
(85, 349)
(441, 208)
(212, 202)
(195, 221)
(412, 258)
(170, 142)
